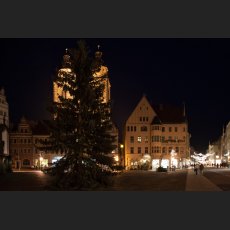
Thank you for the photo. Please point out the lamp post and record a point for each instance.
(122, 158)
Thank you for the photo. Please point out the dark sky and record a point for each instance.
(194, 71)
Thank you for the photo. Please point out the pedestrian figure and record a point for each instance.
(201, 168)
(196, 169)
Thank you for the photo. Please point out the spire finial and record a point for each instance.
(184, 113)
(98, 53)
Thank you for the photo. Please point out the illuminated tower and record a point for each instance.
(103, 74)
(66, 69)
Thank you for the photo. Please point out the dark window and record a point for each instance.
(131, 139)
(144, 128)
(26, 162)
(139, 149)
(131, 150)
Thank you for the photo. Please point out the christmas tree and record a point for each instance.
(82, 123)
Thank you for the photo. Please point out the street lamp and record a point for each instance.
(122, 158)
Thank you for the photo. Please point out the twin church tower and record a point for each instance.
(66, 68)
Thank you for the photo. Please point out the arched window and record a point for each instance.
(26, 162)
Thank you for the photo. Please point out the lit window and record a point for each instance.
(139, 139)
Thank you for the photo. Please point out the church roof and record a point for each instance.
(169, 113)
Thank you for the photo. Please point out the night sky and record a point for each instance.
(171, 71)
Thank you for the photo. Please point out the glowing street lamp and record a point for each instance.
(122, 158)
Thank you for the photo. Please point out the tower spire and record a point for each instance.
(184, 112)
(98, 53)
(66, 63)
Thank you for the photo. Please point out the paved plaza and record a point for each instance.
(212, 179)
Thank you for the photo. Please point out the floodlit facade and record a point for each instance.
(66, 69)
(220, 149)
(156, 136)
(4, 122)
(5, 160)
(24, 142)
(214, 151)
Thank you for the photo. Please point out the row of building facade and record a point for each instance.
(154, 135)
(219, 150)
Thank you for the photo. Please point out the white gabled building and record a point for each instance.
(156, 136)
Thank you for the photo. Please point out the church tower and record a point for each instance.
(102, 73)
(65, 69)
